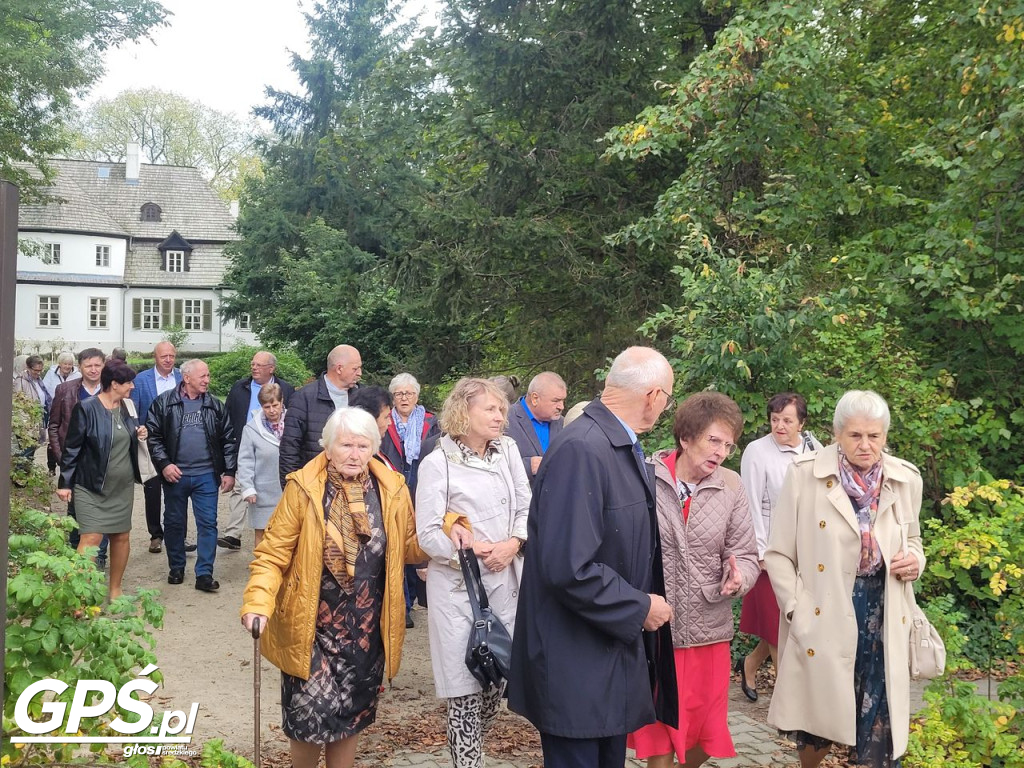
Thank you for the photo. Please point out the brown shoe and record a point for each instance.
(156, 545)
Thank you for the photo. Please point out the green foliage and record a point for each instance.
(49, 52)
(177, 335)
(56, 628)
(975, 552)
(26, 419)
(855, 160)
(229, 367)
(962, 729)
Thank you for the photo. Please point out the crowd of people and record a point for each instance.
(614, 571)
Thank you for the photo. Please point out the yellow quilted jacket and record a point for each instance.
(285, 575)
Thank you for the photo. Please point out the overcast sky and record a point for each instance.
(220, 52)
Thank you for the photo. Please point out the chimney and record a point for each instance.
(131, 164)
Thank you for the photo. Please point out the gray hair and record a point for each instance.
(543, 380)
(350, 421)
(861, 403)
(404, 380)
(637, 369)
(270, 355)
(65, 357)
(189, 365)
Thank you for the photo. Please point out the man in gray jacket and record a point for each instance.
(536, 419)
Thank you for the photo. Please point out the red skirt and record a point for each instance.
(702, 680)
(760, 614)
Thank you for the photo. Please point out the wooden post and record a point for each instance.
(8, 283)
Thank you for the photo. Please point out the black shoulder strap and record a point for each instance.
(474, 584)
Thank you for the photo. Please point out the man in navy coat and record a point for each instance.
(536, 419)
(591, 628)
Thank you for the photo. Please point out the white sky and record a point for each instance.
(219, 52)
(222, 53)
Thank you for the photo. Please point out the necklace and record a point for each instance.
(115, 416)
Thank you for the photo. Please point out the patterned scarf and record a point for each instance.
(410, 432)
(277, 430)
(864, 488)
(347, 524)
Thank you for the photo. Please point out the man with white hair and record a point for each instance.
(193, 449)
(242, 401)
(535, 419)
(313, 404)
(592, 639)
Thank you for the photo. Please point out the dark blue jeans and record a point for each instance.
(202, 489)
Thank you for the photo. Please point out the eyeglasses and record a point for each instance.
(404, 395)
(718, 444)
(261, 365)
(669, 400)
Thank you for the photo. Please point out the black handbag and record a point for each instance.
(490, 646)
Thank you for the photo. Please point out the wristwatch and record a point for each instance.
(522, 544)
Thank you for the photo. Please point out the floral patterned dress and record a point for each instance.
(340, 697)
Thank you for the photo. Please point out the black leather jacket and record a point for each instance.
(164, 425)
(87, 447)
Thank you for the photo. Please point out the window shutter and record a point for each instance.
(163, 261)
(179, 312)
(165, 313)
(136, 314)
(207, 314)
(186, 257)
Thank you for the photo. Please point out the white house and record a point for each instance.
(123, 254)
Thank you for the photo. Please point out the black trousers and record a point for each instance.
(151, 493)
(606, 752)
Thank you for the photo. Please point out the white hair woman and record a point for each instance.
(326, 586)
(844, 538)
(410, 425)
(478, 475)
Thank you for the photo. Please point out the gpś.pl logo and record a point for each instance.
(173, 727)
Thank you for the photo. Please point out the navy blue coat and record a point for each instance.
(520, 429)
(581, 665)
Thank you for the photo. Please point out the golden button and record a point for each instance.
(821, 523)
(904, 619)
(810, 651)
(817, 611)
(821, 567)
(829, 484)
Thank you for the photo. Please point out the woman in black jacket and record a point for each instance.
(99, 467)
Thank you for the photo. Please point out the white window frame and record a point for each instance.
(151, 315)
(175, 261)
(244, 322)
(51, 253)
(102, 255)
(192, 314)
(99, 312)
(48, 312)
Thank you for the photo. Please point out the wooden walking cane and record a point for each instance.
(256, 665)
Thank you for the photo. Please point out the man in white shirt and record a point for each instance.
(149, 385)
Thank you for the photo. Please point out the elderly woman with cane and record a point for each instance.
(326, 589)
(845, 535)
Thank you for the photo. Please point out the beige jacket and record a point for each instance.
(695, 554)
(812, 558)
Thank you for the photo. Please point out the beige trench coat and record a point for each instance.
(812, 558)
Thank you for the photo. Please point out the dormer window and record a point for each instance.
(175, 261)
(175, 253)
(150, 212)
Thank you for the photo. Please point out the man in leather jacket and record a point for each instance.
(192, 445)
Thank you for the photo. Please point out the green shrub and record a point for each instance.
(56, 628)
(228, 367)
